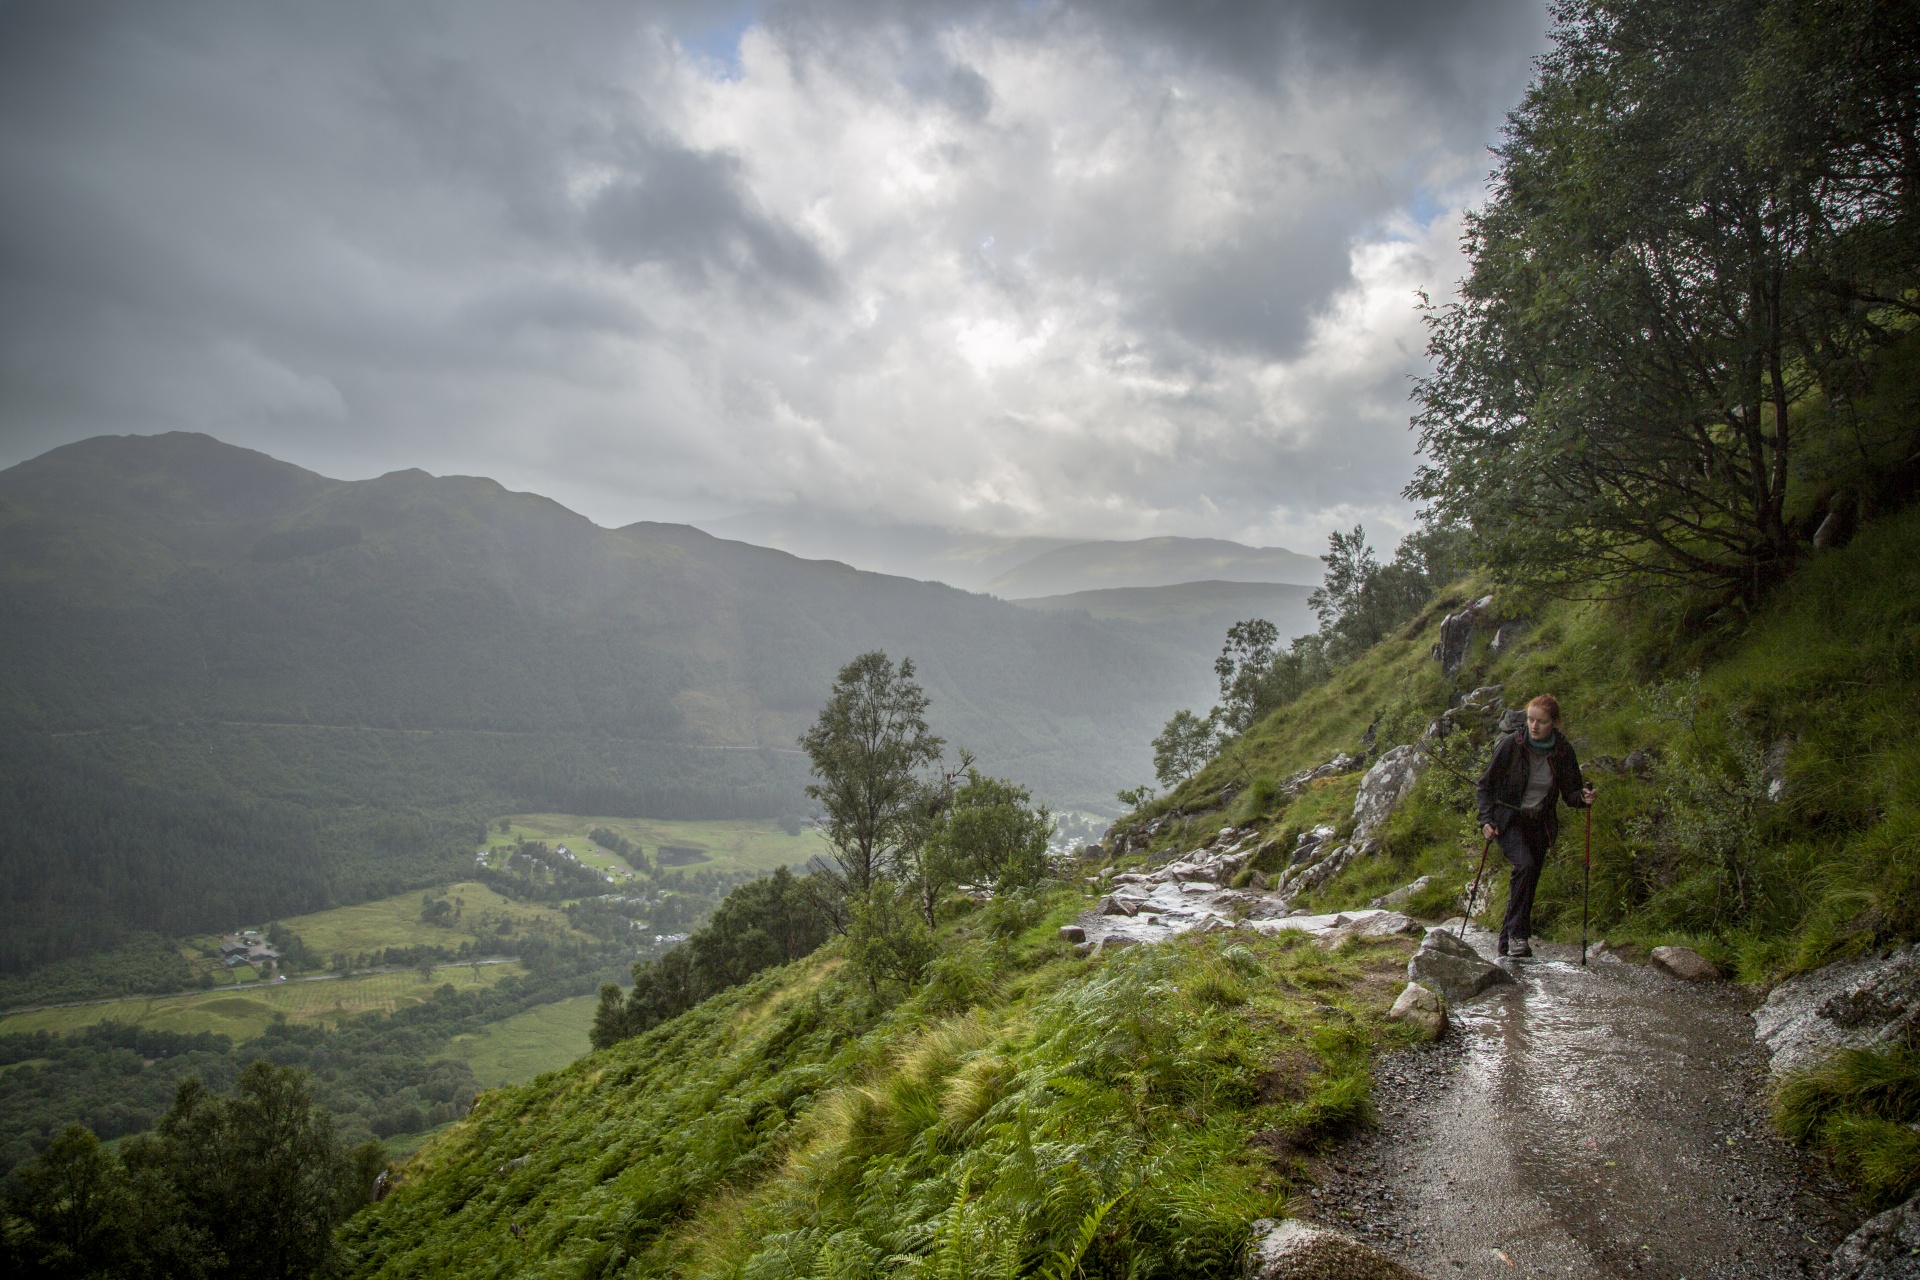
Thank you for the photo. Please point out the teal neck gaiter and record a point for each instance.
(1552, 739)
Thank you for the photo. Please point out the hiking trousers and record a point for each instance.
(1524, 843)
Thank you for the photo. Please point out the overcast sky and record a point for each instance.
(1103, 270)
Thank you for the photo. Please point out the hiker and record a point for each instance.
(1532, 769)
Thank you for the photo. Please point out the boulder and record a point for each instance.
(1886, 1247)
(1072, 933)
(1112, 905)
(1850, 1005)
(1403, 895)
(1684, 963)
(1370, 926)
(1453, 968)
(1420, 1008)
(1384, 787)
(1294, 1250)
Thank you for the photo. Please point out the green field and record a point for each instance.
(395, 921)
(245, 1013)
(742, 845)
(528, 1044)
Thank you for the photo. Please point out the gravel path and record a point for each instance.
(1598, 1122)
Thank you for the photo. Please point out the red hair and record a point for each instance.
(1549, 704)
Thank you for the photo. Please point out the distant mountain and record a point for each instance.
(234, 689)
(1193, 615)
(1151, 562)
(965, 560)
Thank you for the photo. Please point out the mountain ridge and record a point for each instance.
(1151, 562)
(227, 643)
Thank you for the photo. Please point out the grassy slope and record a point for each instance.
(1828, 674)
(787, 1128)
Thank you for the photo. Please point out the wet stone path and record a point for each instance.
(1599, 1122)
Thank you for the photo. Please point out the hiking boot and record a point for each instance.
(1519, 949)
(1503, 944)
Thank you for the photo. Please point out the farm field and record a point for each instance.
(395, 921)
(730, 845)
(245, 1013)
(528, 1044)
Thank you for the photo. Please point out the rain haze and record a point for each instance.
(1027, 270)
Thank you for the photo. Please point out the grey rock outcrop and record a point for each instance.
(1851, 1005)
(1384, 787)
(1684, 963)
(1294, 1250)
(1885, 1247)
(1453, 968)
(1456, 634)
(1421, 1008)
(1299, 879)
(1403, 895)
(1370, 926)
(1507, 635)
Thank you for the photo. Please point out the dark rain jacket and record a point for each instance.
(1505, 782)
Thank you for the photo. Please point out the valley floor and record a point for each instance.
(1598, 1122)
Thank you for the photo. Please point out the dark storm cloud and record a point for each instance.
(1026, 264)
(691, 211)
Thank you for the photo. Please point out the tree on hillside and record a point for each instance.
(1360, 601)
(1702, 225)
(868, 748)
(771, 921)
(1244, 661)
(1184, 746)
(993, 833)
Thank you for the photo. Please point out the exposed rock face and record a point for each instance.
(1776, 774)
(1886, 1247)
(1403, 895)
(1844, 1006)
(1421, 1008)
(1685, 963)
(1310, 846)
(1453, 968)
(1294, 1250)
(1384, 787)
(1299, 879)
(1456, 633)
(1508, 635)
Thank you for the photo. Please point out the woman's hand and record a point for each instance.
(1486, 829)
(1586, 794)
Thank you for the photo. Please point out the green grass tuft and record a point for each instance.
(1859, 1107)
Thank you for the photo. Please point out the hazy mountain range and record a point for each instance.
(1013, 568)
(235, 689)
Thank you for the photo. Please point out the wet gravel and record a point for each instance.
(1598, 1122)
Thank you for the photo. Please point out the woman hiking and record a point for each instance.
(1531, 771)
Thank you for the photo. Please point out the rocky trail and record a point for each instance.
(1600, 1122)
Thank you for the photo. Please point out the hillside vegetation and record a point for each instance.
(1024, 1109)
(1767, 814)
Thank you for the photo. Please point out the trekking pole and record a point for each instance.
(1586, 882)
(1475, 891)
